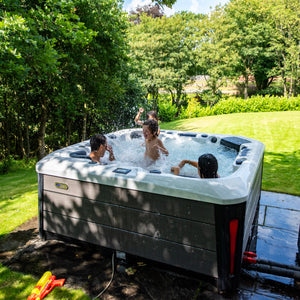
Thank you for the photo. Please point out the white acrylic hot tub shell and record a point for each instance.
(231, 189)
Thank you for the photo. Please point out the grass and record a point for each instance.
(279, 131)
(17, 286)
(19, 203)
(18, 196)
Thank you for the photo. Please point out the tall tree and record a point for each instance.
(163, 50)
(285, 42)
(248, 33)
(64, 66)
(213, 58)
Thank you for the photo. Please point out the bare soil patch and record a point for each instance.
(90, 268)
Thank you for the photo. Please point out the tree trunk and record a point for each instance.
(178, 94)
(27, 149)
(6, 126)
(246, 86)
(291, 85)
(84, 122)
(20, 139)
(172, 96)
(42, 130)
(68, 132)
(283, 77)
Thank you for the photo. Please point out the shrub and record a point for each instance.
(256, 104)
(167, 112)
(231, 105)
(192, 109)
(5, 165)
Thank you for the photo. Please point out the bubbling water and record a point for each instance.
(130, 152)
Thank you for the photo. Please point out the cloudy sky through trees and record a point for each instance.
(195, 6)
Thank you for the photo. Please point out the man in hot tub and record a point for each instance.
(207, 166)
(99, 147)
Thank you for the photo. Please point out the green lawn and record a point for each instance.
(17, 286)
(279, 131)
(18, 196)
(19, 203)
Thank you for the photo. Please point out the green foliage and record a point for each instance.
(168, 3)
(238, 105)
(167, 111)
(256, 104)
(64, 73)
(5, 165)
(162, 52)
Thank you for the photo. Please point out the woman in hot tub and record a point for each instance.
(207, 166)
(99, 147)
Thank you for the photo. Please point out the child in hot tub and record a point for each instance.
(150, 115)
(152, 143)
(99, 147)
(207, 166)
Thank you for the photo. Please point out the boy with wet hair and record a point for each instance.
(207, 166)
(98, 147)
(152, 143)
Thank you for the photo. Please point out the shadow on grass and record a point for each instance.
(281, 172)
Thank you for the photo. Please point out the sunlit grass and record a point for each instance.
(279, 131)
(14, 286)
(18, 196)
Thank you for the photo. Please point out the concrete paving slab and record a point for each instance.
(280, 200)
(276, 245)
(282, 218)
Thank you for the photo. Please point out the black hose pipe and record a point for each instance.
(273, 263)
(275, 270)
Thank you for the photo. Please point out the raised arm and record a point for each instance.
(137, 117)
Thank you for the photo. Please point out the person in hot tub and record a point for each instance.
(99, 147)
(207, 166)
(153, 144)
(150, 115)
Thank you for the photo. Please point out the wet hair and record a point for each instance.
(152, 114)
(153, 125)
(96, 141)
(208, 166)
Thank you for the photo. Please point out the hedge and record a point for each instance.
(239, 105)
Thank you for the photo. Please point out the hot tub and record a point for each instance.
(200, 225)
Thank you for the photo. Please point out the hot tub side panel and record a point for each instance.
(252, 204)
(229, 237)
(171, 230)
(233, 228)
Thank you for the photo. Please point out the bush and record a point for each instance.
(274, 90)
(5, 165)
(231, 105)
(167, 112)
(256, 104)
